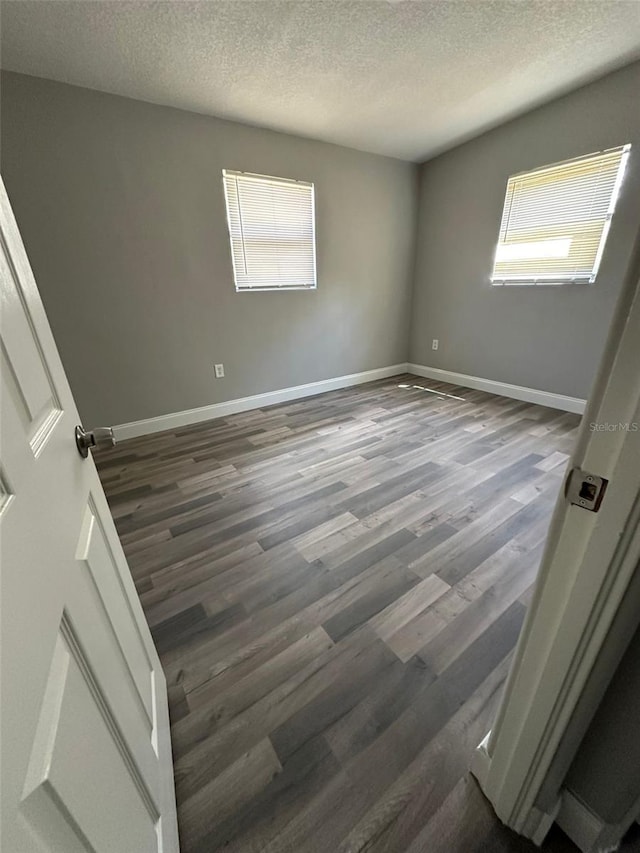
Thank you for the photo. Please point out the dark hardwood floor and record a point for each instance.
(335, 587)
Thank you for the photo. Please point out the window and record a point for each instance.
(272, 232)
(556, 220)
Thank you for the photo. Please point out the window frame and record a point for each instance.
(278, 181)
(555, 280)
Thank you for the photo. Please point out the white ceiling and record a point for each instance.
(407, 79)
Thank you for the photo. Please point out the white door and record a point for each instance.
(86, 755)
(579, 599)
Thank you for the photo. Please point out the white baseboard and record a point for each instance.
(587, 830)
(256, 401)
(583, 827)
(502, 389)
(175, 420)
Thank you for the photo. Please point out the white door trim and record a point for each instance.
(586, 567)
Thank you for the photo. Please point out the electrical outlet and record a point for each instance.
(434, 343)
(219, 369)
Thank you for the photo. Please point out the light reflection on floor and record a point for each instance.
(430, 391)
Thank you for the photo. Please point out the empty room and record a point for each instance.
(320, 408)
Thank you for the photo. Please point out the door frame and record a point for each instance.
(586, 567)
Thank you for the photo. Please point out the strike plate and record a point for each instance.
(585, 490)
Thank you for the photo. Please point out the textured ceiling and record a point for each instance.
(408, 79)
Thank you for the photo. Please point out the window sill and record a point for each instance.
(531, 282)
(274, 289)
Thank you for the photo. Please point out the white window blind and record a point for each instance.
(556, 220)
(272, 231)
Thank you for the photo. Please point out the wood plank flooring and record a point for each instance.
(335, 587)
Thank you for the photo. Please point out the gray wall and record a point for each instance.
(549, 338)
(121, 209)
(605, 774)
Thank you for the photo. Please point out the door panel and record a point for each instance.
(33, 386)
(98, 571)
(76, 722)
(86, 755)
